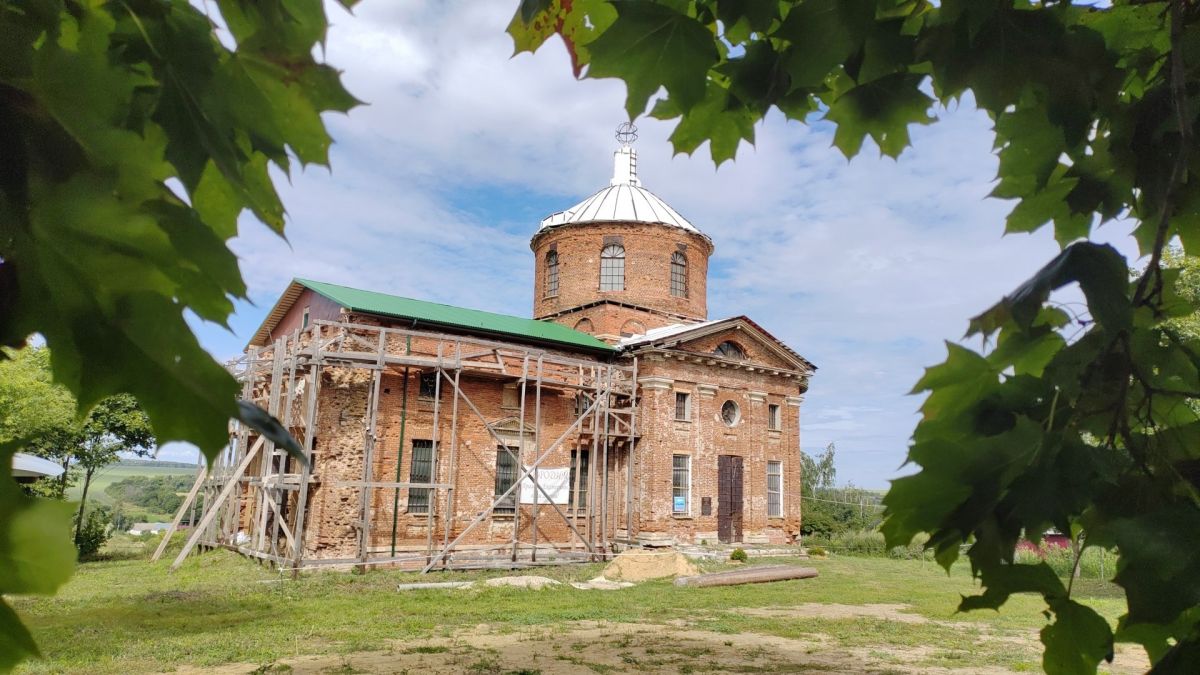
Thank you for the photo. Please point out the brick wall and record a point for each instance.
(648, 251)
(704, 436)
(404, 415)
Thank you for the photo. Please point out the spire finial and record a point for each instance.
(626, 133)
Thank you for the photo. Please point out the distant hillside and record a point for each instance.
(158, 463)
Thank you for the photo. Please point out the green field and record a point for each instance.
(224, 613)
(116, 472)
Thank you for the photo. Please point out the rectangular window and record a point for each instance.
(420, 471)
(580, 470)
(774, 489)
(304, 320)
(429, 385)
(681, 485)
(506, 475)
(582, 403)
(683, 406)
(773, 421)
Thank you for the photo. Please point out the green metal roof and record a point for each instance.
(473, 320)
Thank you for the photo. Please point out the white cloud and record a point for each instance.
(864, 267)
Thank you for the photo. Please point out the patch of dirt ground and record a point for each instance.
(639, 565)
(588, 647)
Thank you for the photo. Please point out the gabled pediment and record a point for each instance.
(736, 340)
(511, 426)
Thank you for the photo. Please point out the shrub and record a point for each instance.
(93, 533)
(866, 543)
(739, 555)
(816, 550)
(1094, 563)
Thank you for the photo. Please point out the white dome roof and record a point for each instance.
(624, 200)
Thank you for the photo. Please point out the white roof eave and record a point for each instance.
(31, 466)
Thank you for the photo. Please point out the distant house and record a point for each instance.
(143, 528)
(28, 468)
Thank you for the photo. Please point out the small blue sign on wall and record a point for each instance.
(680, 504)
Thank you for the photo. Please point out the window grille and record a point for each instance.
(420, 471)
(552, 274)
(679, 275)
(773, 421)
(774, 490)
(683, 406)
(681, 484)
(612, 268)
(428, 386)
(506, 475)
(582, 493)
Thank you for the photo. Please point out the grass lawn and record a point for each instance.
(224, 612)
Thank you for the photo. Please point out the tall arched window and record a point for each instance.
(551, 274)
(612, 268)
(679, 275)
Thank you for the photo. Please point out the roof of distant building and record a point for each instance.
(430, 315)
(623, 200)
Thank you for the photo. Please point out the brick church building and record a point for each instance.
(619, 415)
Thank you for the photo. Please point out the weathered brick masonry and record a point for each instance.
(706, 390)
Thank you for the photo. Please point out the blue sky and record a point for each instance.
(864, 267)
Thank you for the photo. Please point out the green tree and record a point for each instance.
(819, 472)
(133, 133)
(117, 424)
(1081, 423)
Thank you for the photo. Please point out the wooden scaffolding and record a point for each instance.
(255, 498)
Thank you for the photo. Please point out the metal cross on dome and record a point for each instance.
(627, 133)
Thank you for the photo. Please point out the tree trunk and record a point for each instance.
(62, 482)
(87, 481)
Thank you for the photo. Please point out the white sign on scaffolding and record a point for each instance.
(556, 483)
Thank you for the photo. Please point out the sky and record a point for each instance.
(864, 267)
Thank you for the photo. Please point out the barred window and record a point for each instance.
(773, 421)
(612, 268)
(579, 468)
(506, 475)
(420, 471)
(552, 274)
(683, 406)
(681, 484)
(428, 385)
(774, 489)
(679, 275)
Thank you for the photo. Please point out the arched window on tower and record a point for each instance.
(679, 287)
(551, 274)
(612, 268)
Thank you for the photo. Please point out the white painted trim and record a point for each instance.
(782, 506)
(656, 383)
(690, 480)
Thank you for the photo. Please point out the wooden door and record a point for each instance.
(729, 498)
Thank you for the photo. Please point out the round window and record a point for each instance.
(730, 413)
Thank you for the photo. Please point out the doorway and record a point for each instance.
(729, 498)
